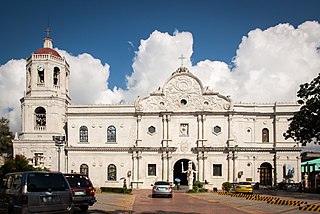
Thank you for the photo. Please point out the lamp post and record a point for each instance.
(59, 142)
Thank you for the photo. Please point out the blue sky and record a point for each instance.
(121, 49)
(105, 29)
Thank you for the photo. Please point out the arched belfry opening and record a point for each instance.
(177, 171)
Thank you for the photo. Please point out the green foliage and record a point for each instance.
(197, 187)
(226, 186)
(305, 124)
(116, 190)
(198, 184)
(6, 136)
(203, 190)
(191, 191)
(17, 164)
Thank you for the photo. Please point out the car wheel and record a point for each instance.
(170, 196)
(84, 208)
(153, 196)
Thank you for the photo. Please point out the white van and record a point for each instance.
(35, 192)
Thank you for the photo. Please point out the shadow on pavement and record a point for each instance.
(296, 195)
(131, 212)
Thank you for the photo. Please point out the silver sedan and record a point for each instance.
(162, 188)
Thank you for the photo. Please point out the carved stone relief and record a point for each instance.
(183, 92)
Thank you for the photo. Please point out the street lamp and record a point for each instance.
(59, 142)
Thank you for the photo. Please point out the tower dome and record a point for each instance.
(47, 46)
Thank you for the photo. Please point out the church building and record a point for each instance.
(155, 137)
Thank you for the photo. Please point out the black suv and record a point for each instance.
(35, 192)
(82, 190)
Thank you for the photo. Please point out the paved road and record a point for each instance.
(180, 203)
(141, 202)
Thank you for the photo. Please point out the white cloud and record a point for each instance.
(155, 61)
(12, 86)
(270, 65)
(88, 78)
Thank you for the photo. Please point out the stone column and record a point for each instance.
(138, 166)
(298, 168)
(234, 158)
(200, 167)
(168, 129)
(138, 129)
(230, 170)
(199, 130)
(133, 167)
(163, 165)
(203, 167)
(164, 129)
(168, 165)
(275, 182)
(203, 127)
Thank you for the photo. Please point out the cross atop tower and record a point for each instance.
(181, 58)
(48, 30)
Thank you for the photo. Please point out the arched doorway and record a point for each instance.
(265, 174)
(177, 171)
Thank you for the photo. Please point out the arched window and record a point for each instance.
(84, 169)
(40, 75)
(56, 77)
(112, 172)
(40, 119)
(111, 134)
(265, 135)
(29, 78)
(83, 131)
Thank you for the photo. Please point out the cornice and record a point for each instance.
(120, 149)
(174, 149)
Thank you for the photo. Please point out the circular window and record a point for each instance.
(183, 102)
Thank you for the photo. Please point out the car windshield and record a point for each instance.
(244, 183)
(78, 181)
(161, 183)
(39, 182)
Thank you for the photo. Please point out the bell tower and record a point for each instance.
(44, 106)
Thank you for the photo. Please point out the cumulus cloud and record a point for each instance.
(155, 60)
(88, 79)
(269, 66)
(12, 86)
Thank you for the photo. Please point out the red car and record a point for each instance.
(82, 190)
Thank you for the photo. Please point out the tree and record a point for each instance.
(18, 164)
(6, 136)
(305, 124)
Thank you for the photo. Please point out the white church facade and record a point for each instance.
(154, 138)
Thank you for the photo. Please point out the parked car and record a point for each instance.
(35, 192)
(162, 188)
(244, 187)
(82, 190)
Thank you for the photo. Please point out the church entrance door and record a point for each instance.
(266, 174)
(177, 171)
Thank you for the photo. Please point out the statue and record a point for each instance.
(189, 172)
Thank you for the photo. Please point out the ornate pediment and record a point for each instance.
(183, 92)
